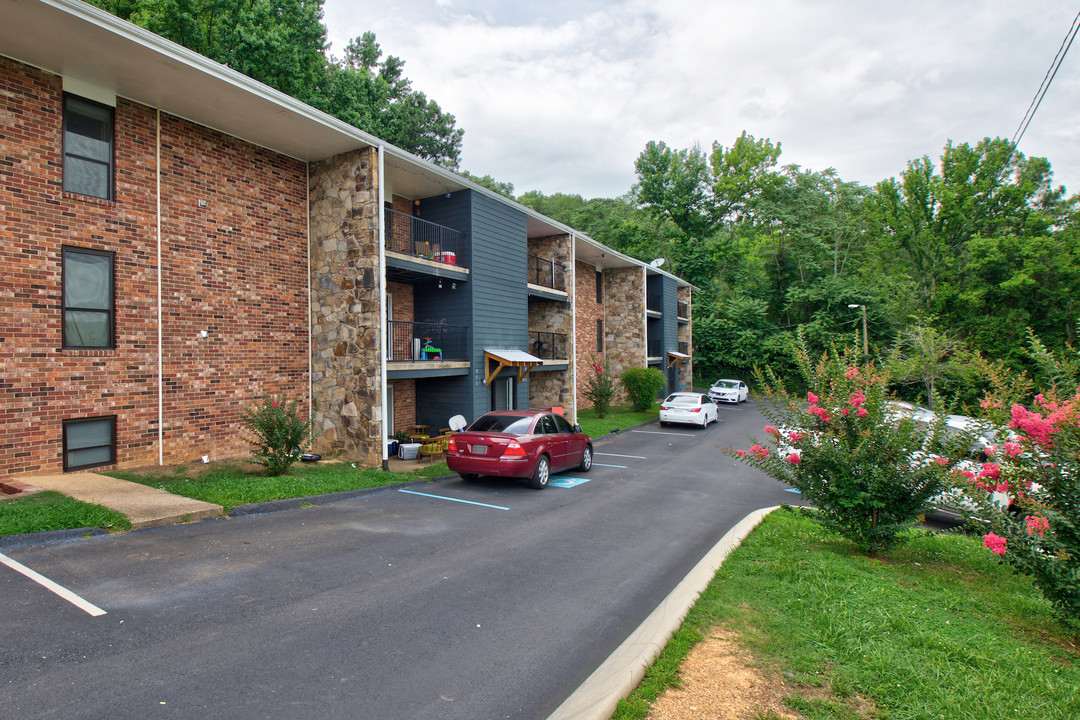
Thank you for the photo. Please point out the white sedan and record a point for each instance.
(692, 408)
(729, 391)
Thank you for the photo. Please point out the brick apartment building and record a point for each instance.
(180, 240)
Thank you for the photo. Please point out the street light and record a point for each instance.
(865, 337)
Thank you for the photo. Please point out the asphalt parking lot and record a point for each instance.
(435, 600)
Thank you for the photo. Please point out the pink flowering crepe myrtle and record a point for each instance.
(995, 543)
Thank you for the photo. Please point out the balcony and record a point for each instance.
(427, 342)
(684, 348)
(548, 345)
(426, 243)
(654, 303)
(683, 311)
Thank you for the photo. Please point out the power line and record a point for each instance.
(1051, 72)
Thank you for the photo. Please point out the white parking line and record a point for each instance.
(49, 584)
(659, 432)
(633, 457)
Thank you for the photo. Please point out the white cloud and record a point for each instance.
(562, 96)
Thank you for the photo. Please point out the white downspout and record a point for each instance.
(310, 339)
(573, 323)
(383, 320)
(160, 338)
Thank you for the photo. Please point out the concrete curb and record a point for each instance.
(597, 697)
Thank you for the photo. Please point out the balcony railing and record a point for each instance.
(654, 302)
(548, 345)
(683, 309)
(415, 341)
(547, 273)
(684, 348)
(656, 348)
(420, 238)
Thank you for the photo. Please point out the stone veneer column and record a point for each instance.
(624, 318)
(553, 387)
(686, 335)
(345, 307)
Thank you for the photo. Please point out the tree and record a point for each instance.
(282, 43)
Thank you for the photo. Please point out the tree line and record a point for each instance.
(952, 261)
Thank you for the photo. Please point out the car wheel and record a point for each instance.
(586, 459)
(663, 424)
(469, 477)
(540, 478)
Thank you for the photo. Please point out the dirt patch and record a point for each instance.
(721, 681)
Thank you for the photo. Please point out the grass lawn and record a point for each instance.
(49, 510)
(938, 628)
(229, 484)
(619, 417)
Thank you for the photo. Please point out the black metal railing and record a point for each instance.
(420, 238)
(548, 345)
(683, 309)
(414, 341)
(654, 302)
(656, 348)
(547, 273)
(684, 348)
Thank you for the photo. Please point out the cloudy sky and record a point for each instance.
(562, 95)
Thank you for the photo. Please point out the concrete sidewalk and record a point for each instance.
(145, 506)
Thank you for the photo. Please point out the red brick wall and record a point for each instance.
(404, 405)
(236, 268)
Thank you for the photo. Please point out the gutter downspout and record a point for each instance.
(383, 320)
(310, 324)
(160, 338)
(573, 323)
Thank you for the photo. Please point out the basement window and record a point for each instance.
(89, 442)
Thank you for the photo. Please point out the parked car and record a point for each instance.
(729, 391)
(519, 443)
(683, 407)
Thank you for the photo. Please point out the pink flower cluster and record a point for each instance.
(851, 373)
(996, 543)
(794, 437)
(990, 471)
(1037, 524)
(759, 452)
(1032, 424)
(771, 429)
(794, 458)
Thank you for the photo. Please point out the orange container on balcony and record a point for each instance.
(450, 258)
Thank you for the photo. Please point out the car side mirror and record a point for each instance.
(577, 428)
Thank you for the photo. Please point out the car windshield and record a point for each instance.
(515, 424)
(726, 384)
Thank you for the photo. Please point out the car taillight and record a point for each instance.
(697, 409)
(514, 450)
(452, 445)
(664, 407)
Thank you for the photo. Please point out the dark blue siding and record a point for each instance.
(499, 293)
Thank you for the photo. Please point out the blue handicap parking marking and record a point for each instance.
(567, 482)
(792, 490)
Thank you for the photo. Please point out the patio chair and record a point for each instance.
(433, 449)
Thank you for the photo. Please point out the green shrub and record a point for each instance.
(642, 386)
(599, 386)
(865, 469)
(1037, 466)
(277, 433)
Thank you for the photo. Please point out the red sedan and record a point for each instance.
(519, 443)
